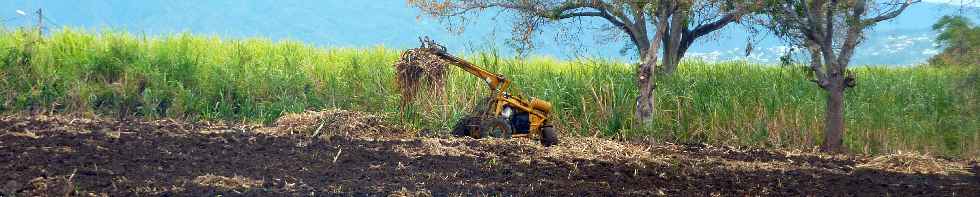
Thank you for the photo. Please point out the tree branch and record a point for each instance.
(578, 14)
(603, 14)
(854, 34)
(703, 29)
(732, 16)
(810, 30)
(816, 66)
(890, 15)
(600, 9)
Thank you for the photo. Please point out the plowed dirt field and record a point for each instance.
(55, 156)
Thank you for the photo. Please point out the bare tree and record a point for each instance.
(830, 31)
(677, 23)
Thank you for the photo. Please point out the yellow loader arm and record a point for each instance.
(497, 82)
(498, 118)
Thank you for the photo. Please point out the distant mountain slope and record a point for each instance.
(906, 40)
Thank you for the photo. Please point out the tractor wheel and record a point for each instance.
(464, 126)
(548, 136)
(497, 127)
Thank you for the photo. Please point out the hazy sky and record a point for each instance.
(956, 2)
(393, 24)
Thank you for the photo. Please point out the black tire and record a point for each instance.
(497, 127)
(460, 129)
(548, 136)
(464, 127)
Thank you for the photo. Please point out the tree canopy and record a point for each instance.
(960, 40)
(683, 21)
(830, 30)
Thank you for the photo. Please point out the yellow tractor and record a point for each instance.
(503, 114)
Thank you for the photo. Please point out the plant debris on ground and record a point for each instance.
(909, 162)
(59, 155)
(224, 182)
(329, 122)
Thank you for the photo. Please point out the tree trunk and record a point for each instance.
(645, 102)
(834, 123)
(671, 57)
(674, 51)
(672, 41)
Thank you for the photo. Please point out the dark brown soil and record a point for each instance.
(57, 156)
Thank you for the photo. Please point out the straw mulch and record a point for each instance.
(593, 148)
(236, 182)
(331, 122)
(526, 150)
(914, 163)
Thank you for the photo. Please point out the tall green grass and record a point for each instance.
(257, 80)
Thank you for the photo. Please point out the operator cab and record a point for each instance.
(520, 121)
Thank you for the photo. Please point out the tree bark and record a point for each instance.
(834, 122)
(646, 101)
(674, 51)
(672, 41)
